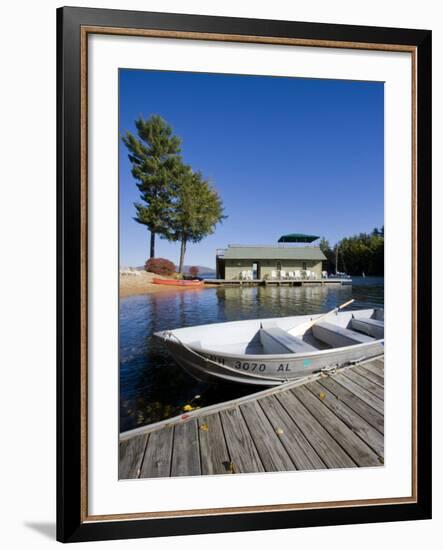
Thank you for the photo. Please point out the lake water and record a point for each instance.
(153, 387)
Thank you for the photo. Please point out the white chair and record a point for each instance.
(324, 274)
(243, 275)
(291, 275)
(273, 274)
(250, 275)
(282, 274)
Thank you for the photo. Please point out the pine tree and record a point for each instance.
(155, 159)
(329, 264)
(196, 211)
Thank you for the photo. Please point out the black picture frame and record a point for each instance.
(72, 524)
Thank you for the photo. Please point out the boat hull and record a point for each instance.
(181, 283)
(264, 370)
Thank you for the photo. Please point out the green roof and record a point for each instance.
(297, 238)
(274, 253)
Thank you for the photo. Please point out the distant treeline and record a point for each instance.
(363, 253)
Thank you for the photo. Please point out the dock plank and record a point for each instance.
(324, 421)
(376, 367)
(365, 383)
(214, 452)
(131, 452)
(380, 362)
(360, 392)
(368, 413)
(351, 419)
(327, 448)
(371, 376)
(297, 445)
(186, 450)
(356, 448)
(273, 454)
(244, 455)
(157, 460)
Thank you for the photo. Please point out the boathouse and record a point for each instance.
(291, 257)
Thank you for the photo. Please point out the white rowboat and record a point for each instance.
(271, 351)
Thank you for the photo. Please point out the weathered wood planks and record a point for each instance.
(374, 377)
(365, 432)
(365, 383)
(324, 444)
(293, 439)
(273, 454)
(214, 453)
(370, 415)
(327, 421)
(351, 443)
(244, 455)
(131, 454)
(186, 450)
(157, 460)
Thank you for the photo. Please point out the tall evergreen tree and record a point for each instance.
(329, 264)
(196, 211)
(363, 253)
(155, 159)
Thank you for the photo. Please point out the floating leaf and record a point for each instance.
(279, 431)
(322, 395)
(204, 427)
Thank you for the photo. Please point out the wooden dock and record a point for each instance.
(333, 420)
(277, 282)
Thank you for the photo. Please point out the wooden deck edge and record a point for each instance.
(274, 281)
(234, 402)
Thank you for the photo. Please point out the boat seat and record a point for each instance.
(371, 327)
(276, 340)
(337, 336)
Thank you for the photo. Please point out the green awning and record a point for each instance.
(297, 238)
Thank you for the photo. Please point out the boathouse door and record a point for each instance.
(256, 270)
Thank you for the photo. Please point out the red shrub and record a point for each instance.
(160, 266)
(194, 271)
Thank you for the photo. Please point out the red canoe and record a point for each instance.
(175, 282)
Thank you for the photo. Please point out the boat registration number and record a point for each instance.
(260, 367)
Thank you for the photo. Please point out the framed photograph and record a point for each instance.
(244, 274)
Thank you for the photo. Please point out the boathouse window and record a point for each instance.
(304, 266)
(278, 266)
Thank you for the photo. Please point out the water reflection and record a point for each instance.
(153, 387)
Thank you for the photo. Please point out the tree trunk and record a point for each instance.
(182, 255)
(152, 251)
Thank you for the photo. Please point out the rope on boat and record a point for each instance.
(226, 367)
(332, 369)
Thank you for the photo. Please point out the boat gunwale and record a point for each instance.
(307, 316)
(320, 352)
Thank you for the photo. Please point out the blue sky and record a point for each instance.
(287, 155)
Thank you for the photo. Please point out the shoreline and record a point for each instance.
(133, 285)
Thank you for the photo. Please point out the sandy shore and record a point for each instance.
(131, 285)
